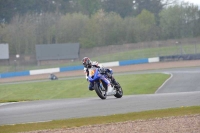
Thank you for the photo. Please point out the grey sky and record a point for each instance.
(197, 2)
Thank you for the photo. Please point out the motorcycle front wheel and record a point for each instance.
(101, 93)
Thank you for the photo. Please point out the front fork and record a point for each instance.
(105, 88)
(101, 85)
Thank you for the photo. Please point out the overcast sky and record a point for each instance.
(197, 2)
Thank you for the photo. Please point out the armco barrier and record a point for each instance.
(130, 62)
(71, 68)
(111, 64)
(44, 71)
(155, 59)
(180, 57)
(14, 74)
(80, 67)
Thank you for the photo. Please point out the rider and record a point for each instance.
(87, 63)
(53, 77)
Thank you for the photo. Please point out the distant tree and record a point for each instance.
(179, 21)
(122, 7)
(9, 8)
(17, 34)
(130, 26)
(145, 26)
(154, 6)
(90, 34)
(113, 29)
(197, 26)
(192, 18)
(87, 7)
(69, 27)
(103, 29)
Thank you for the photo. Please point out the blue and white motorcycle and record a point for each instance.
(100, 86)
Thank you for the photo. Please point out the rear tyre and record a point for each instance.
(119, 91)
(101, 93)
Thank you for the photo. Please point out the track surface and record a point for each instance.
(182, 89)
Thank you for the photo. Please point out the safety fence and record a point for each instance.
(80, 67)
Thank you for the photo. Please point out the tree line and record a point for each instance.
(9, 8)
(95, 22)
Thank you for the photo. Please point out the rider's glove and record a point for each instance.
(86, 77)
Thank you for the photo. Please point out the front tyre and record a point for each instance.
(119, 91)
(101, 93)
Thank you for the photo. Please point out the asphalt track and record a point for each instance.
(181, 89)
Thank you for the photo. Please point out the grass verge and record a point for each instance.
(77, 88)
(69, 123)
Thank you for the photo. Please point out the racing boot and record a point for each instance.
(114, 82)
(110, 91)
(91, 86)
(112, 78)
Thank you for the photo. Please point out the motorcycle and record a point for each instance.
(53, 77)
(100, 86)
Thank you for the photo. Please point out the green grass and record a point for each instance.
(77, 88)
(127, 55)
(148, 53)
(101, 119)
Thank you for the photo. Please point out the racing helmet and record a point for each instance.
(87, 62)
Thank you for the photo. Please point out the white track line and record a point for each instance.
(31, 122)
(165, 81)
(1, 104)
